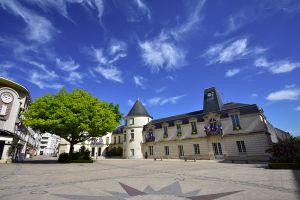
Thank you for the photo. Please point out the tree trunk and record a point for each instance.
(71, 150)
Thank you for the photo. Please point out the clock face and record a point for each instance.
(6, 97)
(209, 94)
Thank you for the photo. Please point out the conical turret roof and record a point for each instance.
(138, 110)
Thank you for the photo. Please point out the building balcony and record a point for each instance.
(150, 137)
(213, 130)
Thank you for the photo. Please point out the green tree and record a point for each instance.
(75, 116)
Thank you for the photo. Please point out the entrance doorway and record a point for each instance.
(180, 150)
(217, 150)
(2, 143)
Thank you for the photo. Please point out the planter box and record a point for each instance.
(284, 166)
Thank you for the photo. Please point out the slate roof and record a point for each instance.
(118, 130)
(226, 108)
(138, 110)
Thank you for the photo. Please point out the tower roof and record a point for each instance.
(138, 110)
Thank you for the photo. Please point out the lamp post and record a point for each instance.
(96, 142)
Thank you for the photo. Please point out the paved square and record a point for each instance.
(146, 179)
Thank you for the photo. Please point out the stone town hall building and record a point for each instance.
(233, 131)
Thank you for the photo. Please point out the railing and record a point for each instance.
(150, 137)
(213, 130)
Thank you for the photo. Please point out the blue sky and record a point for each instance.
(163, 52)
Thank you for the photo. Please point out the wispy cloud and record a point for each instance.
(67, 65)
(254, 95)
(74, 78)
(139, 81)
(38, 28)
(232, 72)
(276, 67)
(290, 86)
(162, 101)
(130, 102)
(190, 24)
(42, 77)
(230, 50)
(4, 69)
(110, 73)
(285, 94)
(161, 53)
(61, 6)
(159, 90)
(144, 8)
(108, 58)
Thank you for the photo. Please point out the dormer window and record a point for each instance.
(165, 131)
(235, 122)
(194, 127)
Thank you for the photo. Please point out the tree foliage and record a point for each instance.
(286, 151)
(75, 116)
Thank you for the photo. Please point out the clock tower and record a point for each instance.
(212, 100)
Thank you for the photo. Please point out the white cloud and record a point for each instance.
(254, 95)
(290, 86)
(297, 108)
(143, 7)
(106, 62)
(42, 77)
(117, 46)
(191, 22)
(230, 51)
(130, 102)
(74, 78)
(276, 67)
(61, 6)
(67, 65)
(162, 101)
(38, 28)
(232, 72)
(161, 53)
(139, 81)
(4, 69)
(110, 73)
(159, 90)
(285, 94)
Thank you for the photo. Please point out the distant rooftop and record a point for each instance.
(138, 110)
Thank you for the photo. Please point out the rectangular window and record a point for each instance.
(132, 152)
(131, 136)
(180, 150)
(119, 139)
(115, 140)
(151, 150)
(131, 121)
(132, 130)
(167, 150)
(178, 127)
(194, 127)
(125, 122)
(217, 148)
(241, 146)
(93, 151)
(197, 148)
(235, 122)
(165, 131)
(107, 140)
(125, 137)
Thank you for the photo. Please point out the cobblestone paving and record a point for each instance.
(146, 179)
